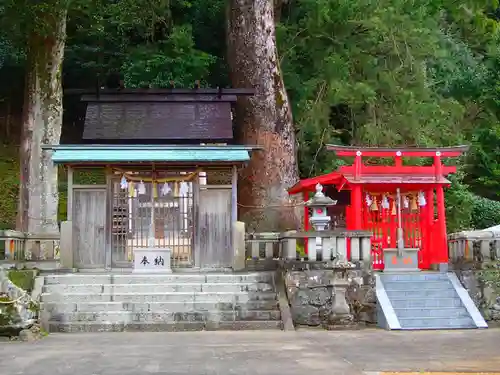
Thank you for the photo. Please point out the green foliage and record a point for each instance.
(485, 213)
(147, 43)
(89, 176)
(459, 204)
(156, 65)
(358, 72)
(9, 183)
(486, 161)
(8, 314)
(301, 250)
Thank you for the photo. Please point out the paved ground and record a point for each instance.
(260, 353)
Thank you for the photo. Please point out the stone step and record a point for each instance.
(160, 297)
(429, 294)
(96, 307)
(443, 312)
(418, 285)
(157, 288)
(436, 323)
(79, 278)
(77, 327)
(418, 276)
(165, 317)
(427, 303)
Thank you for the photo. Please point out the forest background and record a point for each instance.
(363, 72)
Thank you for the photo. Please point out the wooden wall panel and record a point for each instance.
(214, 223)
(89, 218)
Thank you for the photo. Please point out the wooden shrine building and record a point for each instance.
(169, 163)
(394, 201)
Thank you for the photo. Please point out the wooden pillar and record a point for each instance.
(429, 228)
(234, 219)
(398, 160)
(356, 193)
(108, 226)
(69, 198)
(441, 253)
(357, 206)
(234, 195)
(196, 226)
(357, 165)
(305, 196)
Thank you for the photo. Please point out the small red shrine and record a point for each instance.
(368, 197)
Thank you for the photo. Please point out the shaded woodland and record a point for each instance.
(386, 72)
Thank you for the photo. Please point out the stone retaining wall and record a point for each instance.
(330, 298)
(479, 280)
(475, 258)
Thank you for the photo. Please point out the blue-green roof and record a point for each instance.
(148, 153)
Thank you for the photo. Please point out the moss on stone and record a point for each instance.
(24, 279)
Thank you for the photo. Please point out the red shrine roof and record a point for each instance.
(395, 179)
(406, 176)
(445, 152)
(336, 178)
(309, 184)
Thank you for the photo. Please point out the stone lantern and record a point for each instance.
(319, 219)
(319, 204)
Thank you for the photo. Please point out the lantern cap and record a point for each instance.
(319, 199)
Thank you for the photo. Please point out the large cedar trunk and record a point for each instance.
(42, 122)
(264, 119)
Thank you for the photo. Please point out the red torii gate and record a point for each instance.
(422, 227)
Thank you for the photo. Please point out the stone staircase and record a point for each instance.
(425, 300)
(175, 302)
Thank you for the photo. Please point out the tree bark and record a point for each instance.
(264, 119)
(42, 123)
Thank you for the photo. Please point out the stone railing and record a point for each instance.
(337, 245)
(475, 259)
(329, 285)
(24, 247)
(474, 245)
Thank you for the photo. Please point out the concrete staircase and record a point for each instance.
(425, 300)
(175, 302)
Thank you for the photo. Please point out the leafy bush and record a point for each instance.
(175, 59)
(485, 212)
(465, 210)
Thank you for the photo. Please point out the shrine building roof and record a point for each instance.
(102, 154)
(162, 115)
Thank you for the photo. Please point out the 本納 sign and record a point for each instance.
(147, 260)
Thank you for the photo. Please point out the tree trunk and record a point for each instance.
(264, 119)
(42, 123)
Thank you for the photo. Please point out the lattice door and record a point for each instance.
(380, 217)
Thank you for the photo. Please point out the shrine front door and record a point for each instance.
(152, 219)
